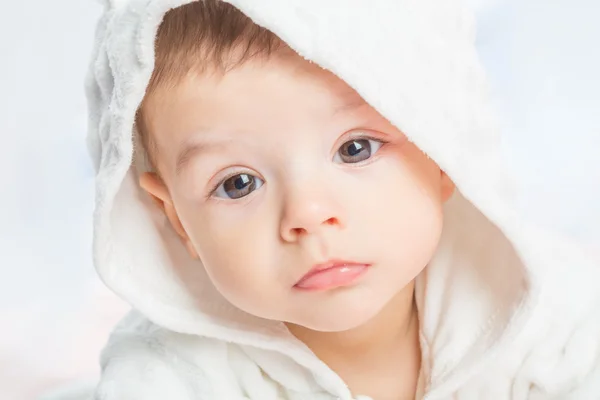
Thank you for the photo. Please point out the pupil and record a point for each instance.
(355, 148)
(242, 181)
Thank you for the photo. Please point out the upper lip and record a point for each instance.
(335, 263)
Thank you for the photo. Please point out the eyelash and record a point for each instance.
(383, 142)
(365, 137)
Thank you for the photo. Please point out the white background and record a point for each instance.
(543, 61)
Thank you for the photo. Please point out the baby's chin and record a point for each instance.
(337, 325)
(339, 317)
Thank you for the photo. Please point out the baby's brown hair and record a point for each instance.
(205, 35)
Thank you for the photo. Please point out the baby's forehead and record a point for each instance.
(266, 96)
(288, 72)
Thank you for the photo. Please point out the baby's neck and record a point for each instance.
(381, 358)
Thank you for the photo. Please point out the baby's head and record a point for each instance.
(268, 166)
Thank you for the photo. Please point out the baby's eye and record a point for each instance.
(238, 186)
(357, 150)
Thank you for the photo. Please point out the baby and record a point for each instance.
(290, 229)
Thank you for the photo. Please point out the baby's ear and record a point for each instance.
(156, 188)
(448, 186)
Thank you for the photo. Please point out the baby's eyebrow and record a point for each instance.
(352, 102)
(191, 149)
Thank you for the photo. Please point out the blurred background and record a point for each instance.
(55, 315)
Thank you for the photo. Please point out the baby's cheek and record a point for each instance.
(404, 219)
(238, 261)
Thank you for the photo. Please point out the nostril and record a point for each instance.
(331, 221)
(298, 231)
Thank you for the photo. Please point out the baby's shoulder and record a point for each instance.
(137, 335)
(145, 361)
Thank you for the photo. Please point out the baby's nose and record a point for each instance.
(307, 212)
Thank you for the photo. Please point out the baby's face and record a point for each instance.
(290, 170)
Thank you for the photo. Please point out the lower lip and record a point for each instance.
(332, 278)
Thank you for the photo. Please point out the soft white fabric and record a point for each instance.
(506, 311)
